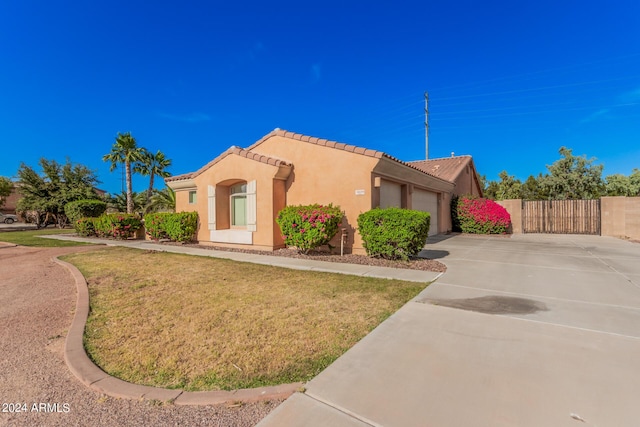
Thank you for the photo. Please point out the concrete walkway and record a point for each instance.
(276, 261)
(534, 330)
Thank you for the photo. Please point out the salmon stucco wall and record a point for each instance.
(514, 207)
(325, 175)
(229, 171)
(467, 182)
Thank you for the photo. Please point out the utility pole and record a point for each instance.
(426, 125)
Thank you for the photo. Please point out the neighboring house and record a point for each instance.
(11, 202)
(238, 194)
(457, 169)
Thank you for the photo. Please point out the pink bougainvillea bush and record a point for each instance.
(309, 227)
(117, 225)
(482, 216)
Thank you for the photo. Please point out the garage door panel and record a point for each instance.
(427, 201)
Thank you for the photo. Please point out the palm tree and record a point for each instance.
(152, 165)
(118, 202)
(163, 200)
(125, 150)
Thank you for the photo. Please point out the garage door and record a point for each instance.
(428, 202)
(390, 194)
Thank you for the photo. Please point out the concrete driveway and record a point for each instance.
(533, 330)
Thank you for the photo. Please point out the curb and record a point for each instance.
(96, 379)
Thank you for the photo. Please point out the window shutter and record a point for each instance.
(211, 206)
(251, 206)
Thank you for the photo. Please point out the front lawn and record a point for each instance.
(30, 237)
(199, 323)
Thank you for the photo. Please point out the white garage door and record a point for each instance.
(428, 202)
(390, 194)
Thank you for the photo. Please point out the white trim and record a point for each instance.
(211, 206)
(231, 236)
(251, 206)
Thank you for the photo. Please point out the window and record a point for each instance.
(192, 198)
(239, 205)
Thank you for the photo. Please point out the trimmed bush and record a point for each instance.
(179, 227)
(482, 216)
(309, 227)
(117, 225)
(154, 225)
(393, 233)
(84, 209)
(85, 227)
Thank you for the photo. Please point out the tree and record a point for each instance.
(573, 177)
(6, 187)
(621, 185)
(45, 195)
(507, 188)
(119, 202)
(163, 200)
(491, 190)
(152, 165)
(125, 151)
(634, 183)
(533, 189)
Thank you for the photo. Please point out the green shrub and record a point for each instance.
(179, 227)
(154, 225)
(84, 209)
(309, 227)
(482, 216)
(85, 227)
(393, 233)
(117, 225)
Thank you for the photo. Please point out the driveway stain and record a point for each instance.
(491, 304)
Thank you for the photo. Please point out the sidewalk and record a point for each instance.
(276, 261)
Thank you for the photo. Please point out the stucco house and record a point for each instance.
(239, 193)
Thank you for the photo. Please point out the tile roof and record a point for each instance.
(337, 145)
(447, 168)
(232, 150)
(248, 153)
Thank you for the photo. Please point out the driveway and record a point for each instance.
(533, 330)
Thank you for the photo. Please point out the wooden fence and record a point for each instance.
(561, 216)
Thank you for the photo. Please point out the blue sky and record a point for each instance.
(509, 82)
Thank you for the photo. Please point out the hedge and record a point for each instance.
(308, 227)
(179, 227)
(482, 216)
(393, 233)
(116, 225)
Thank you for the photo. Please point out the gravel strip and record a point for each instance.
(37, 302)
(418, 263)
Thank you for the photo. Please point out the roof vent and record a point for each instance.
(453, 154)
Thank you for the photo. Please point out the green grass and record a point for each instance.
(30, 238)
(199, 323)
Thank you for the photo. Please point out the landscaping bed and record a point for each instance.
(417, 263)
